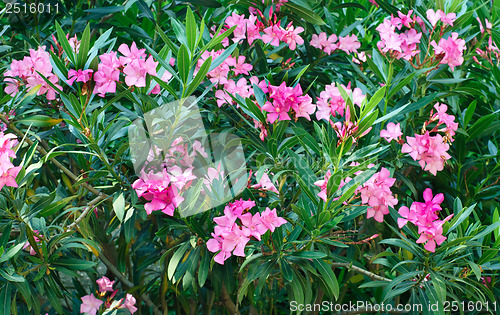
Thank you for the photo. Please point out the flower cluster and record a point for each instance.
(376, 193)
(329, 44)
(405, 43)
(282, 98)
(450, 50)
(134, 64)
(91, 305)
(271, 33)
(400, 38)
(30, 72)
(331, 102)
(425, 216)
(8, 171)
(431, 151)
(161, 189)
(162, 184)
(230, 67)
(230, 238)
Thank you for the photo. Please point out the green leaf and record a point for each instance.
(144, 8)
(480, 125)
(309, 254)
(74, 263)
(400, 85)
(496, 218)
(206, 3)
(5, 301)
(374, 100)
(184, 63)
(119, 206)
(39, 121)
(191, 30)
(328, 277)
(63, 41)
(464, 214)
(286, 270)
(11, 252)
(304, 13)
(203, 270)
(84, 48)
(176, 258)
(200, 76)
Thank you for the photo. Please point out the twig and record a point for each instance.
(371, 275)
(90, 206)
(226, 301)
(129, 284)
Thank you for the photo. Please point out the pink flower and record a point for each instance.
(323, 185)
(377, 194)
(424, 216)
(276, 111)
(130, 54)
(29, 71)
(452, 50)
(304, 107)
(90, 304)
(105, 78)
(253, 29)
(349, 43)
(252, 225)
(230, 238)
(79, 76)
(265, 184)
(393, 132)
(433, 236)
(129, 303)
(136, 70)
(239, 32)
(273, 35)
(239, 65)
(161, 190)
(433, 17)
(292, 38)
(270, 219)
(105, 284)
(430, 152)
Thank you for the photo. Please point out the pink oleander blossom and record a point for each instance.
(105, 284)
(79, 76)
(90, 304)
(425, 216)
(376, 193)
(129, 303)
(392, 132)
(349, 44)
(429, 151)
(450, 50)
(236, 228)
(265, 184)
(29, 72)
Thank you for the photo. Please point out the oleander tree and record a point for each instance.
(249, 157)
